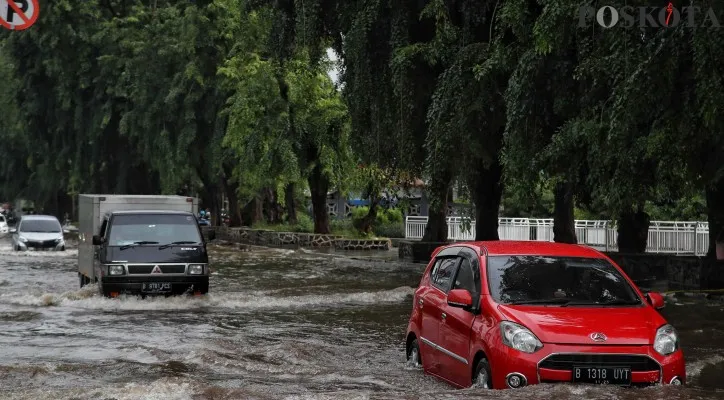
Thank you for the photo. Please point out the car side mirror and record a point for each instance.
(13, 230)
(460, 298)
(97, 240)
(656, 300)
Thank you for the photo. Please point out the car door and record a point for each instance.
(433, 303)
(97, 250)
(456, 324)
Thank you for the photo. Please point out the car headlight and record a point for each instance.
(196, 269)
(667, 340)
(520, 338)
(116, 270)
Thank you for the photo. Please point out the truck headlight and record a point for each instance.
(196, 269)
(667, 340)
(520, 338)
(22, 239)
(116, 270)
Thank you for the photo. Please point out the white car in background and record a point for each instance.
(3, 225)
(38, 232)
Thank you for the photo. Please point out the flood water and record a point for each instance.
(277, 324)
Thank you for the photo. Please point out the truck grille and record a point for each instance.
(165, 268)
(565, 362)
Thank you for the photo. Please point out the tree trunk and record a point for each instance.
(290, 203)
(436, 228)
(319, 186)
(715, 216)
(564, 224)
(253, 211)
(487, 193)
(234, 210)
(633, 232)
(271, 207)
(369, 219)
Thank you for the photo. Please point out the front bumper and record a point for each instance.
(116, 285)
(551, 363)
(48, 245)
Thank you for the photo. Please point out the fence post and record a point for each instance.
(605, 234)
(696, 238)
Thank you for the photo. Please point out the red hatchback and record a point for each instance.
(508, 314)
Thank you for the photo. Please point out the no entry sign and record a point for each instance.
(18, 14)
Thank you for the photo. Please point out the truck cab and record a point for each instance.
(158, 250)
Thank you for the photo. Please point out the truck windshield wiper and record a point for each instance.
(136, 244)
(545, 301)
(167, 245)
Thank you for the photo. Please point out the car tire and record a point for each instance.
(482, 378)
(414, 357)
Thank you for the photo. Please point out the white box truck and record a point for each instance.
(141, 244)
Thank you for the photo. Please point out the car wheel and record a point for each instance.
(414, 359)
(482, 378)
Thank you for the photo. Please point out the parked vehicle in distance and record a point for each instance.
(4, 228)
(146, 245)
(508, 314)
(38, 232)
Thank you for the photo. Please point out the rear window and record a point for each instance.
(156, 228)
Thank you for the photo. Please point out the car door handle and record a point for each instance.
(444, 315)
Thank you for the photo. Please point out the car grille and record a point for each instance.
(166, 269)
(565, 362)
(41, 244)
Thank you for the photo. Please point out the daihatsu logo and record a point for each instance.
(598, 337)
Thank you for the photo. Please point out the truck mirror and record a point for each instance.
(97, 240)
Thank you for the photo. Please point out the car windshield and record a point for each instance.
(153, 229)
(39, 225)
(529, 279)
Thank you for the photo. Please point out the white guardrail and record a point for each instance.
(676, 237)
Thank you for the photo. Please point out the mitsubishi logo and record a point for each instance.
(157, 270)
(597, 337)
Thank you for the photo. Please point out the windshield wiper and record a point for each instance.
(136, 244)
(546, 301)
(167, 245)
(619, 302)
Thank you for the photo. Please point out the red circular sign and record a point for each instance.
(18, 14)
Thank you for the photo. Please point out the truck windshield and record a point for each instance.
(39, 225)
(153, 229)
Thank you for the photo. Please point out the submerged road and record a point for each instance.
(277, 324)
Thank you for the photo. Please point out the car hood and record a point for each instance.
(575, 325)
(41, 235)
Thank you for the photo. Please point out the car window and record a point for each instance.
(542, 278)
(444, 272)
(465, 278)
(40, 225)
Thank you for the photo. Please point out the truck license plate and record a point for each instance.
(602, 375)
(156, 287)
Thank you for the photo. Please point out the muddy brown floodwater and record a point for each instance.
(278, 324)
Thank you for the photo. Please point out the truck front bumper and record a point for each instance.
(112, 286)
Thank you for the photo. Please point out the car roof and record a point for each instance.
(530, 247)
(39, 217)
(167, 212)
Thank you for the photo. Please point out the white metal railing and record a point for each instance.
(675, 237)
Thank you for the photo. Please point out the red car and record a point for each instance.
(507, 314)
